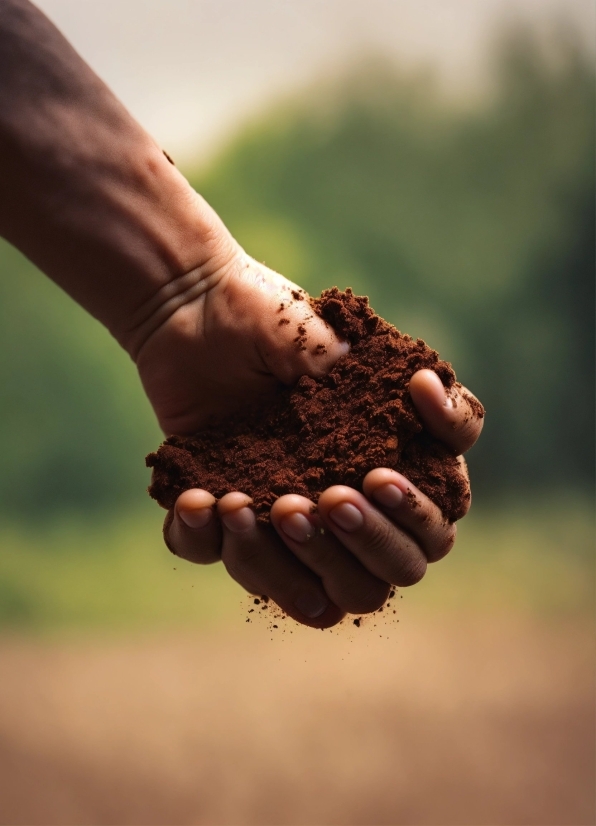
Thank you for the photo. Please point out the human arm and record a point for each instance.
(92, 200)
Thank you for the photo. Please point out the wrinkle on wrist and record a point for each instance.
(173, 296)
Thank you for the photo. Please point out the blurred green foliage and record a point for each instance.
(75, 423)
(473, 228)
(109, 576)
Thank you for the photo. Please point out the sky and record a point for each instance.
(192, 71)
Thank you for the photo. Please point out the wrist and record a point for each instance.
(104, 214)
(88, 195)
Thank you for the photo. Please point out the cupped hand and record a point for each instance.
(216, 338)
(344, 556)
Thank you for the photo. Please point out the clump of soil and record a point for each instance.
(326, 431)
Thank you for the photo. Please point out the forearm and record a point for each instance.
(86, 194)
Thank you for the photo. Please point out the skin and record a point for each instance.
(92, 200)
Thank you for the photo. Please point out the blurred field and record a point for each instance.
(140, 695)
(476, 720)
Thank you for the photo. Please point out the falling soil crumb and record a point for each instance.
(278, 623)
(326, 431)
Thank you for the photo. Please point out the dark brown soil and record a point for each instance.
(326, 431)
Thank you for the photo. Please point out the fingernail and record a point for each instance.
(347, 517)
(312, 605)
(197, 518)
(390, 496)
(240, 520)
(298, 527)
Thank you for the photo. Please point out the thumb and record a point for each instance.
(292, 339)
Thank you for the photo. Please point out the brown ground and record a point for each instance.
(445, 722)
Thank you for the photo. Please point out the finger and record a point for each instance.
(293, 340)
(454, 416)
(384, 549)
(191, 530)
(467, 496)
(409, 508)
(256, 558)
(346, 581)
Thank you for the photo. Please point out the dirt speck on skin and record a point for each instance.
(326, 431)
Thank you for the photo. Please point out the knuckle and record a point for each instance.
(206, 555)
(237, 556)
(379, 536)
(411, 571)
(444, 543)
(323, 554)
(408, 562)
(364, 602)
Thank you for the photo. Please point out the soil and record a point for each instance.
(326, 431)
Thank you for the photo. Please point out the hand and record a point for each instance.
(209, 342)
(343, 558)
(222, 345)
